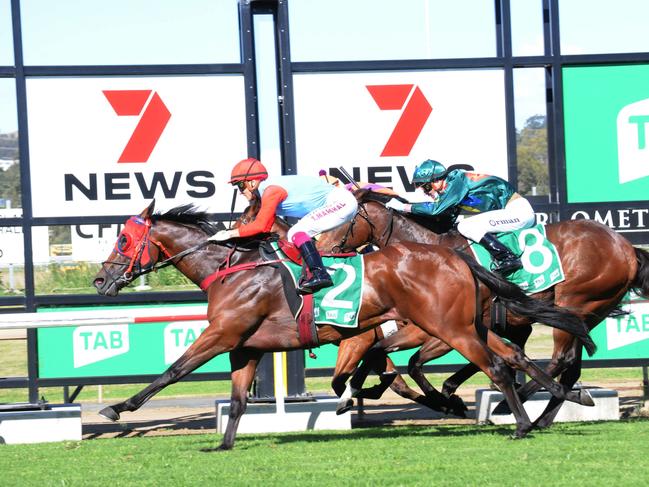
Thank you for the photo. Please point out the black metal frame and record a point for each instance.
(552, 61)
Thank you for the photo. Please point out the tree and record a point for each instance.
(10, 185)
(532, 156)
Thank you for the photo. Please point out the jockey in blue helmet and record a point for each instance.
(497, 206)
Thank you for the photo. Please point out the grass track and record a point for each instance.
(589, 454)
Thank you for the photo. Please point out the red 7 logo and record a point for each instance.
(151, 125)
(412, 120)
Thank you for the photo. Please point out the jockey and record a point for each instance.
(318, 205)
(498, 206)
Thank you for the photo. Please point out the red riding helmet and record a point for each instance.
(248, 170)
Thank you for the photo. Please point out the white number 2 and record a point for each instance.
(329, 300)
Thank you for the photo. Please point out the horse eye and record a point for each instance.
(123, 243)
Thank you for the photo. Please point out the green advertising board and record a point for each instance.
(149, 348)
(606, 133)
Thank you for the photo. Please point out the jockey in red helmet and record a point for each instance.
(318, 205)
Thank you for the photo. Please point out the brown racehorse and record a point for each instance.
(352, 349)
(434, 287)
(600, 266)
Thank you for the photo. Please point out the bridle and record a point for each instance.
(135, 242)
(372, 240)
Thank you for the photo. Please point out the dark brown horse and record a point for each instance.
(600, 266)
(433, 287)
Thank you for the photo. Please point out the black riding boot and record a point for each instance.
(505, 262)
(319, 276)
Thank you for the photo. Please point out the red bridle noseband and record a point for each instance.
(134, 242)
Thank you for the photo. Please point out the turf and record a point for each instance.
(589, 454)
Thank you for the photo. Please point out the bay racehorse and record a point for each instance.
(434, 287)
(350, 351)
(600, 267)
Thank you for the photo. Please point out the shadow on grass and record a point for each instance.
(585, 429)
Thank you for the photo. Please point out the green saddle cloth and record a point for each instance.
(336, 305)
(541, 264)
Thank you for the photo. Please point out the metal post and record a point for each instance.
(645, 386)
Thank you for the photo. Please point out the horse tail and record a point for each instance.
(521, 304)
(640, 284)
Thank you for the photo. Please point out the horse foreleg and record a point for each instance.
(203, 349)
(350, 353)
(243, 363)
(475, 350)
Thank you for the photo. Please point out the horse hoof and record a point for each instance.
(389, 374)
(502, 408)
(345, 406)
(457, 408)
(109, 413)
(585, 399)
(519, 434)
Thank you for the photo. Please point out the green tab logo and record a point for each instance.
(632, 149)
(607, 132)
(179, 335)
(626, 330)
(96, 343)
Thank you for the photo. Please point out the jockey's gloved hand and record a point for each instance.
(396, 205)
(222, 235)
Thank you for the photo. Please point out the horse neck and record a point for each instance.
(197, 265)
(391, 227)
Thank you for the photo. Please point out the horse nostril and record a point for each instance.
(99, 282)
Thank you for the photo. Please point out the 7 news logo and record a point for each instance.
(416, 111)
(154, 116)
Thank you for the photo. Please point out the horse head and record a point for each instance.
(149, 241)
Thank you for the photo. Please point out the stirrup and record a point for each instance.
(314, 284)
(507, 267)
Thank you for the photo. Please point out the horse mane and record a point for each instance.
(364, 195)
(438, 224)
(187, 214)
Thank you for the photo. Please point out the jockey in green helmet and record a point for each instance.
(496, 205)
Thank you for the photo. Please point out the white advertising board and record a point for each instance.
(12, 246)
(107, 146)
(381, 125)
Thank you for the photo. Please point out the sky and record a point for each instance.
(205, 31)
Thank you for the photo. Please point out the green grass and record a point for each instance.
(588, 454)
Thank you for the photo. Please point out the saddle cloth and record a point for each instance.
(541, 263)
(337, 305)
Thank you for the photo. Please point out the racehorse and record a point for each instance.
(434, 287)
(351, 349)
(600, 267)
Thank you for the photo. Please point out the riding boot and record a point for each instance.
(319, 276)
(505, 262)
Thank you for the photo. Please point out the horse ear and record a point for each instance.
(149, 210)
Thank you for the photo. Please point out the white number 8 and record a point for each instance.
(537, 246)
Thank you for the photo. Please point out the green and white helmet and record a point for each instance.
(427, 172)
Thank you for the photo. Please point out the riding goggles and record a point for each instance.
(427, 187)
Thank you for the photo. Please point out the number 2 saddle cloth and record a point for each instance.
(337, 305)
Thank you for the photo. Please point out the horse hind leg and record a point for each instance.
(243, 363)
(435, 400)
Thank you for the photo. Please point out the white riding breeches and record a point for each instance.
(341, 206)
(516, 215)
